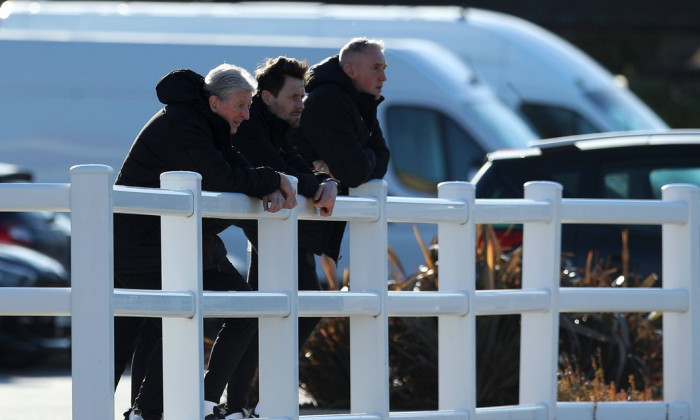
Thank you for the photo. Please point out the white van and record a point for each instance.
(551, 84)
(75, 97)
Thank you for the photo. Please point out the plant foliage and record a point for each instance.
(603, 357)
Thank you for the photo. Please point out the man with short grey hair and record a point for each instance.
(339, 131)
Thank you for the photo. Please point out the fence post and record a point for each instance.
(92, 291)
(183, 352)
(369, 335)
(456, 335)
(681, 270)
(539, 343)
(279, 337)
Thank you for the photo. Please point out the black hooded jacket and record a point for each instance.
(263, 140)
(184, 136)
(340, 127)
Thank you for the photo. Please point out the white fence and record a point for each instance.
(92, 301)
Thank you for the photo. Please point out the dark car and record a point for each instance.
(34, 252)
(625, 165)
(45, 232)
(28, 339)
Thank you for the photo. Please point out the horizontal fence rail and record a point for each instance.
(92, 301)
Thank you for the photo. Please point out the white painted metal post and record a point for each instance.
(539, 343)
(369, 335)
(456, 335)
(279, 337)
(183, 352)
(681, 269)
(92, 291)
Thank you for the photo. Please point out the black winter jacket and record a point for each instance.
(263, 140)
(340, 127)
(184, 136)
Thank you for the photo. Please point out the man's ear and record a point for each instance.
(213, 102)
(349, 70)
(266, 95)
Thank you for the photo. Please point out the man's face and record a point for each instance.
(366, 70)
(234, 109)
(289, 102)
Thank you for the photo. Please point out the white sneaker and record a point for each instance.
(235, 416)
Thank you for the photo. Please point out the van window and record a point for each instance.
(554, 121)
(428, 147)
(618, 112)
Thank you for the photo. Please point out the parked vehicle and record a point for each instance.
(551, 84)
(45, 232)
(625, 165)
(28, 339)
(14, 173)
(439, 121)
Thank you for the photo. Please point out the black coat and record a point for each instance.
(340, 127)
(184, 136)
(264, 141)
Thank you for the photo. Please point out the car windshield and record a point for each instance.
(554, 121)
(501, 124)
(621, 113)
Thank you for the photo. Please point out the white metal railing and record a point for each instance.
(92, 302)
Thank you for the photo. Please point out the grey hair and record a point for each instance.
(225, 79)
(358, 45)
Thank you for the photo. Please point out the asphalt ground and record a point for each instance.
(44, 393)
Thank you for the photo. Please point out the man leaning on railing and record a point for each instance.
(191, 133)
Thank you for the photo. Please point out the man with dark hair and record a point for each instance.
(263, 140)
(191, 133)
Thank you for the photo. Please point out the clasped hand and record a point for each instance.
(283, 198)
(324, 199)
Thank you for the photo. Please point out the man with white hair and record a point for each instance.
(191, 133)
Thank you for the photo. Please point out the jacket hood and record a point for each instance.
(328, 71)
(182, 86)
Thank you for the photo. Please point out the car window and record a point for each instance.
(554, 121)
(627, 182)
(645, 182)
(660, 177)
(616, 185)
(570, 182)
(464, 155)
(428, 147)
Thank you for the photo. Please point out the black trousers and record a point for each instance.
(240, 383)
(142, 339)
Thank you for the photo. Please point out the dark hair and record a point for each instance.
(271, 75)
